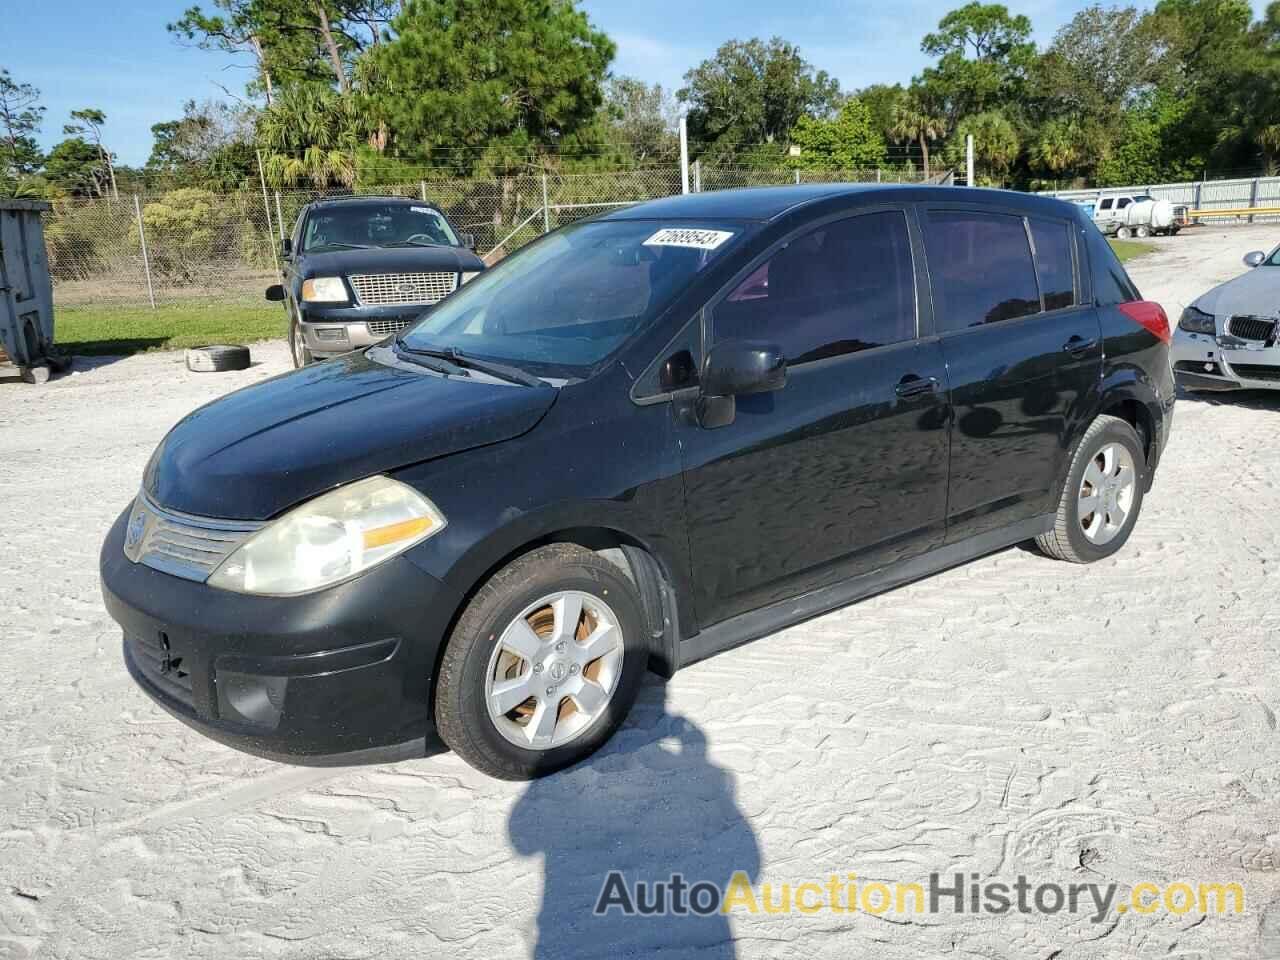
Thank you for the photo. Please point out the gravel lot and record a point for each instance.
(1017, 715)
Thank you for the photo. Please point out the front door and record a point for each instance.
(842, 470)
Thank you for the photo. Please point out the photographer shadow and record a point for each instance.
(649, 805)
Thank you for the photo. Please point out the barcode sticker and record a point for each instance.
(688, 237)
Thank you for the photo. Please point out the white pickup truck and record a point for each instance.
(1138, 215)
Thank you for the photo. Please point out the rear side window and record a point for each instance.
(845, 287)
(981, 268)
(1105, 204)
(1111, 285)
(1054, 264)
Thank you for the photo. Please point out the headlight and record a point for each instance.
(324, 290)
(469, 275)
(1196, 321)
(333, 537)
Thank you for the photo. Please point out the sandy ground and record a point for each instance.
(1107, 723)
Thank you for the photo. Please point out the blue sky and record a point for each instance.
(128, 65)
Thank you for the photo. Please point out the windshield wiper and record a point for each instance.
(457, 358)
(410, 243)
(345, 246)
(431, 361)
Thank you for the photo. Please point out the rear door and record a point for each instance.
(1023, 356)
(844, 469)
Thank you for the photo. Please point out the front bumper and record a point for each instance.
(1205, 362)
(343, 672)
(329, 330)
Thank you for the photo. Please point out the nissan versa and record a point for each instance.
(642, 439)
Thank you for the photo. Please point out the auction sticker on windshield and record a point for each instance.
(688, 237)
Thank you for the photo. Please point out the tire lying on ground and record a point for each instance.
(217, 358)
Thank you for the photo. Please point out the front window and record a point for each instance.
(377, 225)
(561, 305)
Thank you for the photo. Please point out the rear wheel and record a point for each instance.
(543, 665)
(1102, 495)
(1142, 232)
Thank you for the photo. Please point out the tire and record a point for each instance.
(477, 661)
(1142, 232)
(1071, 539)
(217, 358)
(298, 349)
(1123, 233)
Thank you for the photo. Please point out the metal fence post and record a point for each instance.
(546, 207)
(266, 207)
(1253, 197)
(878, 175)
(279, 215)
(797, 178)
(422, 185)
(968, 160)
(697, 175)
(146, 261)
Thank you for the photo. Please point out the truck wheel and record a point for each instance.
(298, 346)
(543, 664)
(1142, 232)
(1123, 233)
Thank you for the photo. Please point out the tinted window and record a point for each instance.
(845, 287)
(1111, 285)
(1122, 203)
(1053, 263)
(1105, 204)
(981, 270)
(377, 225)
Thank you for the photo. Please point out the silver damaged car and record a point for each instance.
(1227, 339)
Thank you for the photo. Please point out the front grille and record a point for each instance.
(168, 670)
(180, 544)
(384, 328)
(376, 289)
(1251, 328)
(1257, 371)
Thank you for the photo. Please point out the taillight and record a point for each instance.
(1149, 314)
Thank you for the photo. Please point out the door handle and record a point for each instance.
(1078, 344)
(914, 386)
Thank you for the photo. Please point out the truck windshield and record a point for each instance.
(560, 305)
(376, 225)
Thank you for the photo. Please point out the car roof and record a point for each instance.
(769, 203)
(369, 201)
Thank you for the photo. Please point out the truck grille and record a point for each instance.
(179, 544)
(1251, 328)
(384, 328)
(1256, 371)
(164, 667)
(376, 289)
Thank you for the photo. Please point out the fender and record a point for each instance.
(1121, 382)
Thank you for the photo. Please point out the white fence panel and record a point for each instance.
(1199, 195)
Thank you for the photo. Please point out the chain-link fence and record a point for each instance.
(190, 244)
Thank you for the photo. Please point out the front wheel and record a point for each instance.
(1123, 233)
(298, 348)
(1102, 495)
(543, 665)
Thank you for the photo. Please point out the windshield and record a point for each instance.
(376, 225)
(564, 303)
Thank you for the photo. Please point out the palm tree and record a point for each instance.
(310, 134)
(913, 120)
(1058, 147)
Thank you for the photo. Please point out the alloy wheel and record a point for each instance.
(1107, 492)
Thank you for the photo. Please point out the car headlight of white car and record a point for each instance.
(334, 537)
(324, 290)
(1196, 321)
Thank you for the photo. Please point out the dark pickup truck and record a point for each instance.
(359, 269)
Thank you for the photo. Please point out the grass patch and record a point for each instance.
(113, 331)
(1128, 249)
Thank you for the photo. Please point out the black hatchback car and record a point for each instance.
(638, 441)
(358, 269)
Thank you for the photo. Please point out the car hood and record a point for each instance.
(1256, 293)
(265, 448)
(388, 260)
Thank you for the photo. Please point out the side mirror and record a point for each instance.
(275, 293)
(1254, 258)
(736, 367)
(286, 246)
(468, 240)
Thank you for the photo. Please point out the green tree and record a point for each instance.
(984, 56)
(75, 167)
(641, 120)
(20, 118)
(752, 93)
(88, 123)
(849, 141)
(486, 83)
(311, 135)
(882, 101)
(917, 119)
(995, 145)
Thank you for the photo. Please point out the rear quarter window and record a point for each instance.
(1111, 285)
(1055, 265)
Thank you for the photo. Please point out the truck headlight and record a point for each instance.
(334, 537)
(1196, 321)
(324, 290)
